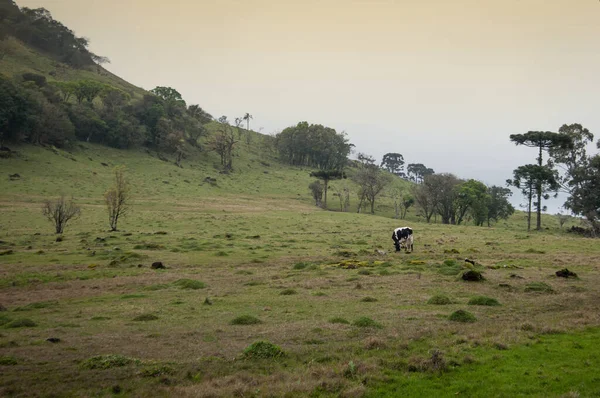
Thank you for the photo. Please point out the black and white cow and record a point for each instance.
(403, 237)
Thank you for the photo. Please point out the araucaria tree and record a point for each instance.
(117, 198)
(533, 178)
(60, 212)
(543, 141)
(393, 162)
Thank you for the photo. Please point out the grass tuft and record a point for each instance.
(263, 349)
(539, 287)
(368, 299)
(288, 292)
(20, 323)
(189, 284)
(439, 299)
(108, 362)
(245, 320)
(145, 317)
(340, 320)
(8, 361)
(39, 305)
(365, 322)
(483, 300)
(462, 316)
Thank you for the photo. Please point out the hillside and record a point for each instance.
(19, 59)
(233, 283)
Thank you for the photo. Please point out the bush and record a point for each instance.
(263, 349)
(483, 300)
(472, 276)
(245, 320)
(462, 316)
(365, 322)
(439, 299)
(60, 212)
(108, 361)
(189, 284)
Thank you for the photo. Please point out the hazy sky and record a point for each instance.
(442, 82)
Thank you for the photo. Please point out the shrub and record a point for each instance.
(145, 317)
(365, 322)
(540, 287)
(263, 349)
(288, 292)
(21, 323)
(189, 284)
(483, 300)
(462, 316)
(338, 319)
(439, 299)
(245, 320)
(108, 361)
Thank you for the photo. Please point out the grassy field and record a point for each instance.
(251, 259)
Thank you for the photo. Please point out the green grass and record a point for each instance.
(550, 366)
(108, 362)
(439, 299)
(366, 322)
(278, 240)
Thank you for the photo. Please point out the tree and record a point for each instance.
(393, 162)
(167, 94)
(572, 158)
(223, 143)
(544, 141)
(499, 208)
(424, 199)
(60, 212)
(199, 114)
(585, 197)
(533, 178)
(371, 182)
(442, 189)
(316, 188)
(118, 198)
(417, 172)
(326, 176)
(472, 197)
(247, 118)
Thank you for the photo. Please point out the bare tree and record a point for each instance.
(117, 198)
(223, 143)
(60, 212)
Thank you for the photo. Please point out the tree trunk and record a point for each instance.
(539, 208)
(373, 206)
(529, 210)
(326, 181)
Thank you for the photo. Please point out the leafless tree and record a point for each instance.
(60, 212)
(117, 198)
